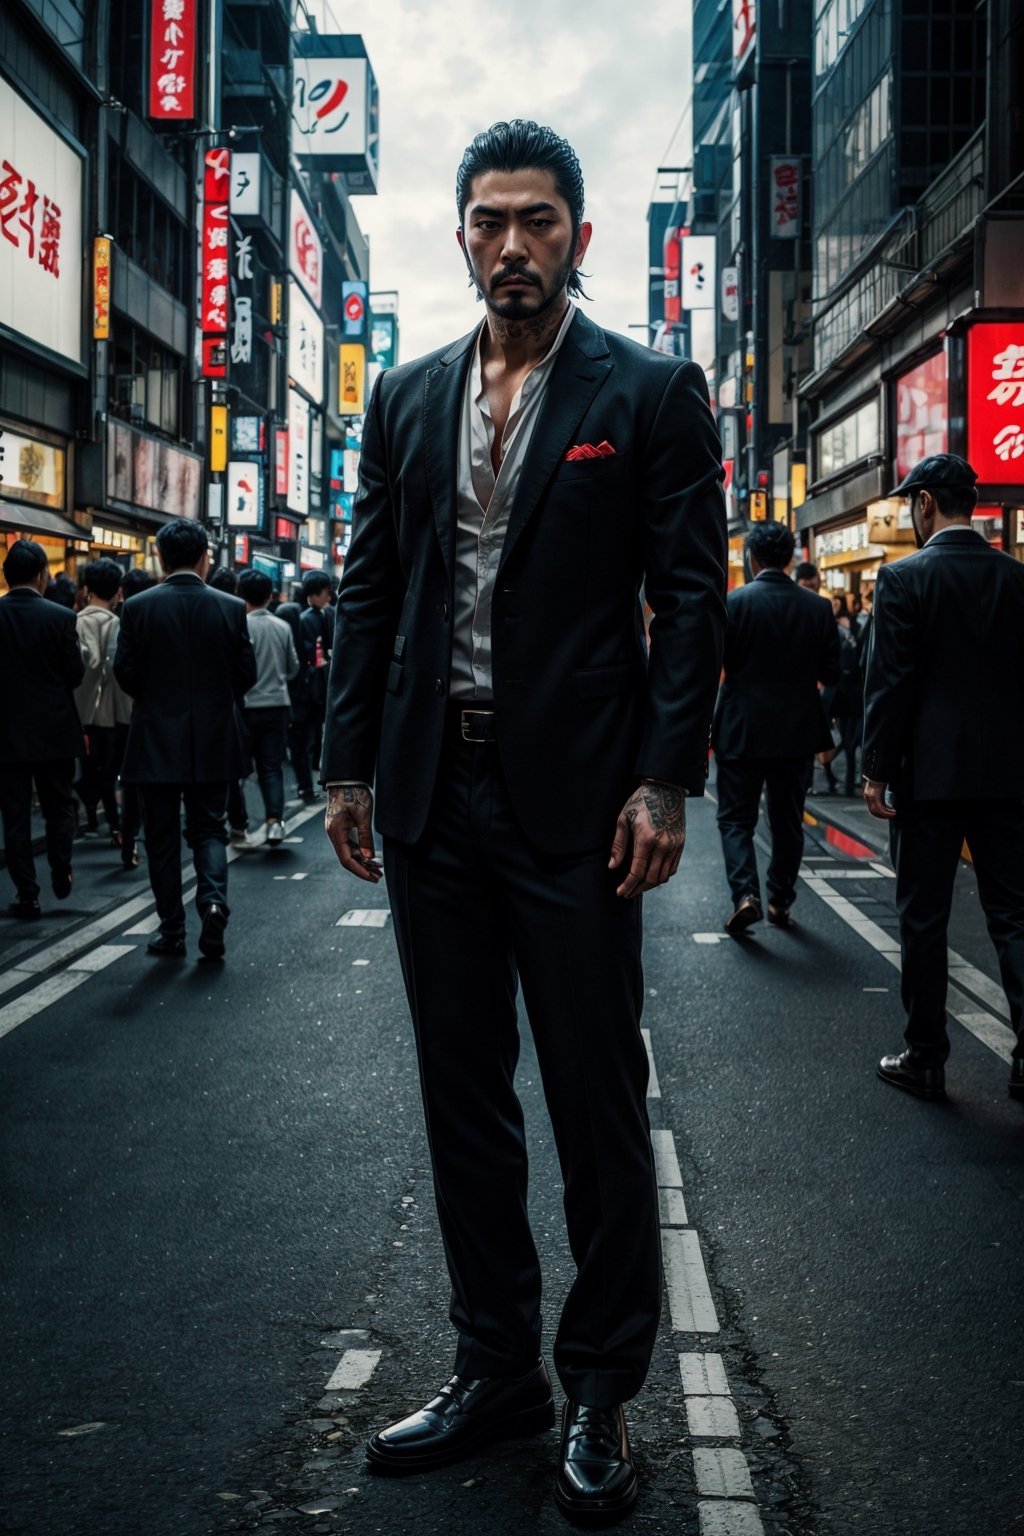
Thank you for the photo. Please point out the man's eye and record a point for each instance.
(541, 223)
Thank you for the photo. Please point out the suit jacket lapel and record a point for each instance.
(580, 369)
(443, 394)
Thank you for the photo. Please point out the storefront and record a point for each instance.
(34, 497)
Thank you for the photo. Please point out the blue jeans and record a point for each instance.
(266, 732)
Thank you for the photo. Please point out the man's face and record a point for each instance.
(320, 599)
(517, 239)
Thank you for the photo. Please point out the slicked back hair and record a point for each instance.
(523, 145)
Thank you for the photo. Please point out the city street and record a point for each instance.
(221, 1267)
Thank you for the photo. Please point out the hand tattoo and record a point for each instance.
(356, 794)
(666, 807)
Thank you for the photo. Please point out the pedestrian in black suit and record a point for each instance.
(781, 642)
(40, 734)
(944, 743)
(185, 657)
(531, 767)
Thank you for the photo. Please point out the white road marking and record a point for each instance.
(301, 876)
(354, 1370)
(874, 989)
(653, 1086)
(712, 1418)
(709, 938)
(364, 917)
(666, 1163)
(98, 959)
(690, 1303)
(703, 1376)
(722, 1473)
(884, 870)
(360, 962)
(854, 874)
(976, 982)
(729, 1519)
(53, 988)
(998, 1037)
(65, 949)
(673, 1208)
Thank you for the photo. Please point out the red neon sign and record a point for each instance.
(214, 301)
(172, 60)
(995, 401)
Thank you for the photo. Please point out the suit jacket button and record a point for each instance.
(438, 687)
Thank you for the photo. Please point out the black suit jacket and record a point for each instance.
(944, 695)
(185, 657)
(40, 667)
(780, 644)
(580, 713)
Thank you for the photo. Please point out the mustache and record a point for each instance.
(521, 273)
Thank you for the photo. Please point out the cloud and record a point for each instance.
(612, 79)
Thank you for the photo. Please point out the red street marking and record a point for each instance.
(847, 844)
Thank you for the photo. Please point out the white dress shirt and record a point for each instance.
(484, 504)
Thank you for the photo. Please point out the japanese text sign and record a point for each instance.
(305, 250)
(101, 288)
(922, 413)
(352, 380)
(216, 262)
(784, 213)
(172, 60)
(995, 401)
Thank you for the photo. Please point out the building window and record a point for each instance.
(145, 381)
(845, 442)
(147, 229)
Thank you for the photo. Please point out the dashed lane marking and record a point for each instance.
(709, 938)
(712, 1418)
(364, 917)
(722, 1472)
(690, 1303)
(703, 1376)
(728, 1518)
(354, 1370)
(653, 1086)
(666, 1163)
(52, 988)
(673, 1208)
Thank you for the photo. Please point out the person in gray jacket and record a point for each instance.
(103, 706)
(266, 708)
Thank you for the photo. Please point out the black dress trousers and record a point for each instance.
(475, 906)
(740, 781)
(57, 803)
(926, 839)
(206, 835)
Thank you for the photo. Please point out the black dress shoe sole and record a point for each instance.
(742, 919)
(530, 1421)
(177, 952)
(910, 1085)
(596, 1512)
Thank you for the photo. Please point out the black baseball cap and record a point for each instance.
(941, 471)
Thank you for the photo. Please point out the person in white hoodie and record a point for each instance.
(103, 707)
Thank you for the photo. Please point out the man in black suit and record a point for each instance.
(944, 754)
(780, 643)
(185, 657)
(531, 765)
(40, 734)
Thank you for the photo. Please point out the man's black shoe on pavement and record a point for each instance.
(1016, 1084)
(171, 946)
(747, 911)
(27, 910)
(464, 1415)
(60, 879)
(779, 916)
(595, 1482)
(920, 1075)
(211, 935)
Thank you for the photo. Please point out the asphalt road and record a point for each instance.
(220, 1267)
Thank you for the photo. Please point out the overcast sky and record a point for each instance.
(612, 77)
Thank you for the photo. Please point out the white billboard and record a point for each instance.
(40, 229)
(305, 344)
(298, 453)
(697, 272)
(305, 249)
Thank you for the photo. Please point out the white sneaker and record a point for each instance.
(240, 838)
(275, 832)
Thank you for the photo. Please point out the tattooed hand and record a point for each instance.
(653, 824)
(348, 821)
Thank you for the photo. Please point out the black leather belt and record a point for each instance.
(475, 725)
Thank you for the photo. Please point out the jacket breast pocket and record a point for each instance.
(604, 682)
(607, 467)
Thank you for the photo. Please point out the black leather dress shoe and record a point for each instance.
(211, 935)
(918, 1075)
(779, 916)
(28, 911)
(747, 911)
(170, 945)
(464, 1415)
(1015, 1087)
(595, 1483)
(60, 879)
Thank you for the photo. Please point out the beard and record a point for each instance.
(524, 304)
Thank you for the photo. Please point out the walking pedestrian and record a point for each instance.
(944, 754)
(266, 708)
(316, 640)
(531, 781)
(185, 657)
(40, 735)
(103, 706)
(780, 644)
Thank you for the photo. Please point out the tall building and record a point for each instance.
(918, 297)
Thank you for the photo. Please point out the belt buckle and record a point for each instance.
(465, 727)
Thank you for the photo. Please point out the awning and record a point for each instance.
(40, 520)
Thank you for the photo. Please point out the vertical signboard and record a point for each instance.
(305, 249)
(354, 302)
(335, 110)
(352, 380)
(298, 453)
(172, 60)
(241, 298)
(101, 288)
(305, 344)
(280, 461)
(922, 413)
(672, 255)
(995, 401)
(698, 271)
(215, 255)
(744, 27)
(731, 293)
(784, 213)
(245, 494)
(384, 340)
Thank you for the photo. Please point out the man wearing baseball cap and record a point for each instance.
(944, 753)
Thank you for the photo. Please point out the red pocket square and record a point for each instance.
(588, 451)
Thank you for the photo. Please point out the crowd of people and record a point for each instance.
(72, 738)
